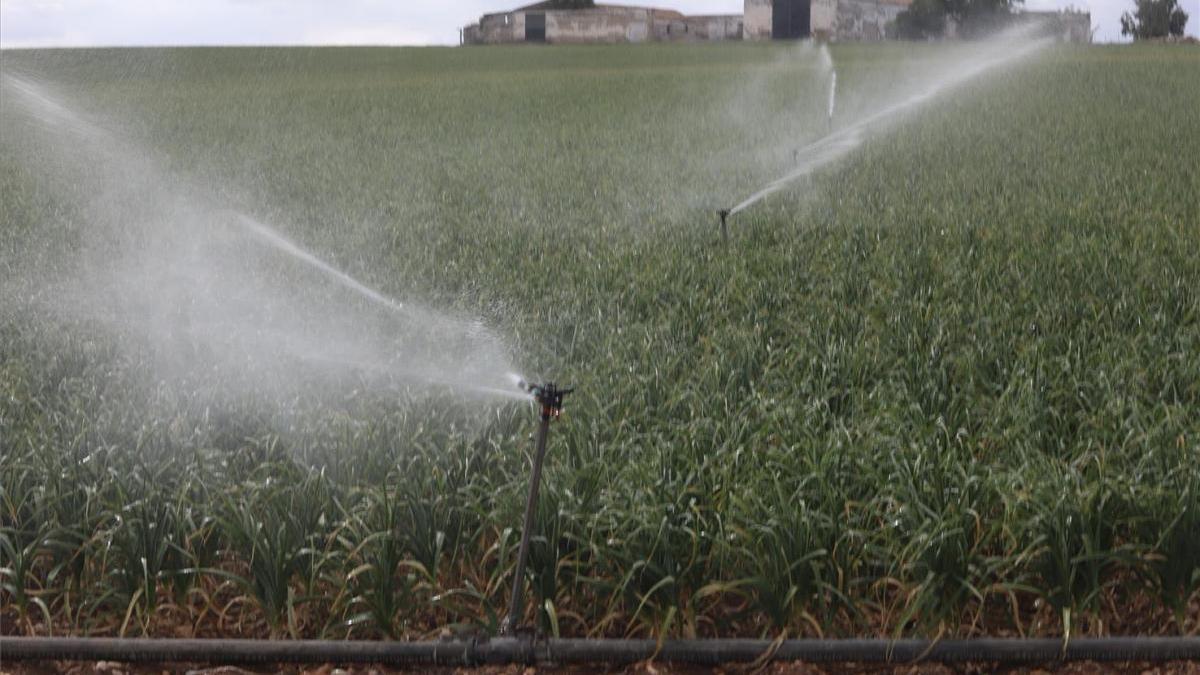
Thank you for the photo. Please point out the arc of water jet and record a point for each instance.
(272, 237)
(284, 341)
(288, 246)
(819, 153)
(48, 108)
(832, 96)
(35, 94)
(50, 111)
(842, 142)
(516, 395)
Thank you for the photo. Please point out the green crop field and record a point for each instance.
(946, 385)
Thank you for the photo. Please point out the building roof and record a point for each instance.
(567, 5)
(557, 4)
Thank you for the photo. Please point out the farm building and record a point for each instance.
(576, 21)
(563, 21)
(1067, 26)
(583, 21)
(825, 19)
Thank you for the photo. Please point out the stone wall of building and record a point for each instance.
(830, 19)
(496, 28)
(699, 28)
(1065, 26)
(605, 24)
(756, 20)
(823, 17)
(857, 20)
(865, 20)
(599, 25)
(1075, 27)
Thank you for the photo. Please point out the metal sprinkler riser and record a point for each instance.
(550, 397)
(724, 215)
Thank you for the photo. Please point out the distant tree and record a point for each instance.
(980, 17)
(925, 19)
(1154, 19)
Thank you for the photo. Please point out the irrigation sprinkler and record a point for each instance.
(724, 214)
(832, 98)
(550, 397)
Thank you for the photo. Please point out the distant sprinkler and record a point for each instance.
(724, 215)
(832, 95)
(550, 397)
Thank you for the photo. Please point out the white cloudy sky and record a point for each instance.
(42, 23)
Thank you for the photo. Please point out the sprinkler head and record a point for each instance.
(724, 214)
(550, 396)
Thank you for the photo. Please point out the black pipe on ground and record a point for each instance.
(556, 651)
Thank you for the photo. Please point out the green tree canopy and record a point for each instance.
(924, 19)
(1154, 19)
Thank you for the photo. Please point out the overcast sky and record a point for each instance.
(78, 23)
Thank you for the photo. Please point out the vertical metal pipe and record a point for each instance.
(515, 607)
(724, 214)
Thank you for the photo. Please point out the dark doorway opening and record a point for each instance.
(535, 27)
(790, 19)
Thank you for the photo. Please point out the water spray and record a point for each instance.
(837, 144)
(550, 397)
(832, 96)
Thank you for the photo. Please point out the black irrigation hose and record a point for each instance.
(525, 650)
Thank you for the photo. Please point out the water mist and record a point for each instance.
(169, 269)
(1003, 50)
